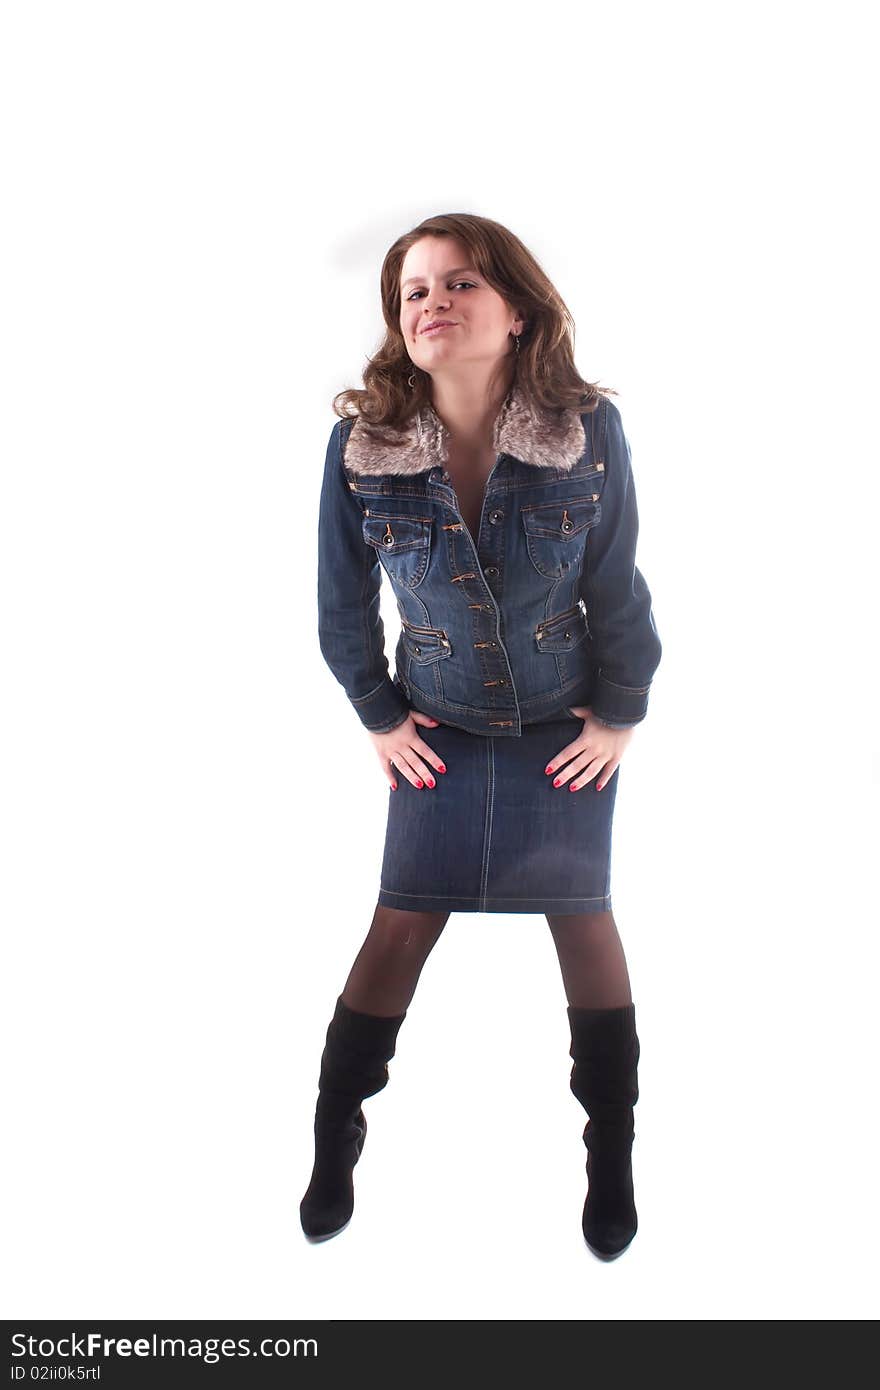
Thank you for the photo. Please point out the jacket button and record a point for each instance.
(496, 516)
(491, 570)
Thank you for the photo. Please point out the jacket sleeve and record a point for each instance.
(625, 643)
(350, 629)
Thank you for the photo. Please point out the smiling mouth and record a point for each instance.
(438, 328)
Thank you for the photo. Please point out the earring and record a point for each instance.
(516, 340)
(411, 379)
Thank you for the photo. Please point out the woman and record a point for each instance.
(494, 487)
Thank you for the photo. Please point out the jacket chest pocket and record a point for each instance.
(556, 533)
(403, 544)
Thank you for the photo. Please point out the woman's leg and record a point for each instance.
(592, 960)
(387, 967)
(604, 1078)
(361, 1040)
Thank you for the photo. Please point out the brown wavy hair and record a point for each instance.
(544, 367)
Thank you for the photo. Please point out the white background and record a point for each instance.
(198, 198)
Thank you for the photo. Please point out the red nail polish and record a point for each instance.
(442, 768)
(557, 781)
(548, 770)
(394, 786)
(599, 786)
(573, 789)
(431, 782)
(419, 783)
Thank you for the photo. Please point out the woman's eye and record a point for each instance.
(455, 286)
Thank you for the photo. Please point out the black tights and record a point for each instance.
(386, 970)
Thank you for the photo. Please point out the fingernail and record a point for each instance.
(394, 786)
(557, 781)
(441, 768)
(419, 782)
(431, 782)
(573, 788)
(548, 769)
(599, 786)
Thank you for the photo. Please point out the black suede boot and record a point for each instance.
(353, 1066)
(605, 1049)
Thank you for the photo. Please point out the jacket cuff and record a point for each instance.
(618, 706)
(383, 709)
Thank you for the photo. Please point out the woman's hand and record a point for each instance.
(403, 748)
(597, 749)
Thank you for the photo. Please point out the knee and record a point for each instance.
(582, 926)
(397, 931)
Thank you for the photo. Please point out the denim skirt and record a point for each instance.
(494, 834)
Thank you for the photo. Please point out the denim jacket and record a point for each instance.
(542, 610)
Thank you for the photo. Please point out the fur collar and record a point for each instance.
(422, 443)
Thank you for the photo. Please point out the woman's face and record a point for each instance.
(439, 281)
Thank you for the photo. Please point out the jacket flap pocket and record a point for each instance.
(393, 534)
(560, 521)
